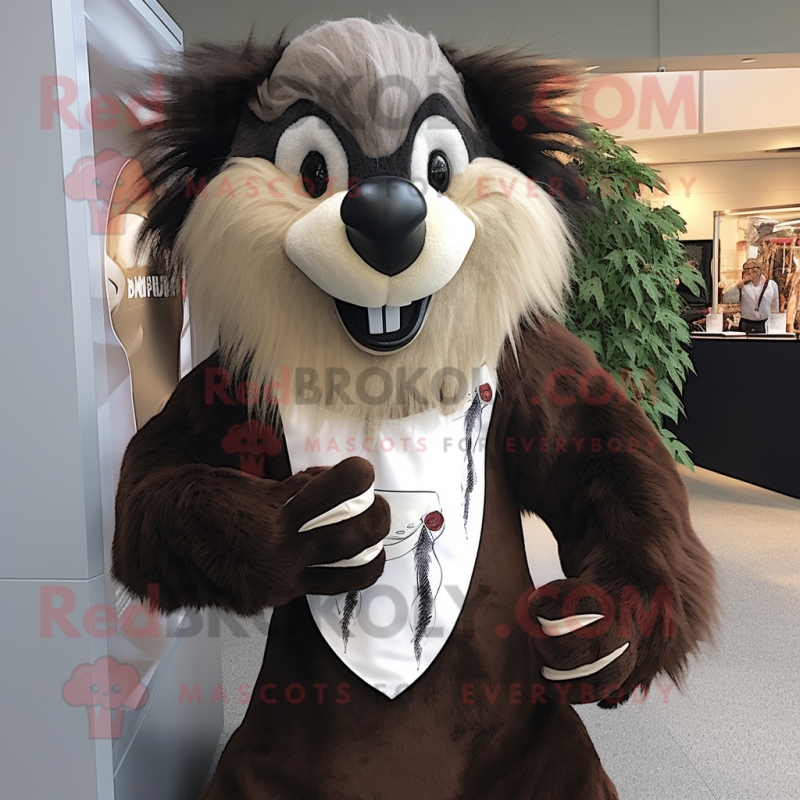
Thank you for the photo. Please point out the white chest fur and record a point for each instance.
(431, 470)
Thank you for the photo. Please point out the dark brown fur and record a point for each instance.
(620, 519)
(190, 522)
(209, 535)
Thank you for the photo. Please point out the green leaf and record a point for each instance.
(594, 287)
(625, 304)
(668, 403)
(633, 258)
(615, 257)
(676, 374)
(636, 288)
(650, 288)
(630, 349)
(632, 318)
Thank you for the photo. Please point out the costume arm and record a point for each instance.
(211, 535)
(614, 500)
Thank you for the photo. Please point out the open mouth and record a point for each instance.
(383, 329)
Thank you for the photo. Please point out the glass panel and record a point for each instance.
(141, 331)
(759, 246)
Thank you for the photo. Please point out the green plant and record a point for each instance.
(625, 303)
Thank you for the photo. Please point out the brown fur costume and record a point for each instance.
(214, 528)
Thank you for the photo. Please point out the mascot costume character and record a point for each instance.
(373, 229)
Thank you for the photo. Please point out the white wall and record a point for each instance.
(698, 190)
(572, 28)
(721, 27)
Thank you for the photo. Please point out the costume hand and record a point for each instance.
(331, 528)
(577, 648)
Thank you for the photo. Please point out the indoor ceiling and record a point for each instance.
(730, 146)
(694, 63)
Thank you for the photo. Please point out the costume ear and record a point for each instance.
(205, 92)
(528, 108)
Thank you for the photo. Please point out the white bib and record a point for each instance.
(390, 633)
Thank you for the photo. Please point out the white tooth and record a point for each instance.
(392, 318)
(375, 320)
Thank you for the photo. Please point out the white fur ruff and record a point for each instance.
(272, 318)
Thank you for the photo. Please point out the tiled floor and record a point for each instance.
(733, 733)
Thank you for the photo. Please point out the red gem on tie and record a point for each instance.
(485, 392)
(434, 521)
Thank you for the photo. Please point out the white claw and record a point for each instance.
(586, 669)
(364, 557)
(561, 627)
(349, 508)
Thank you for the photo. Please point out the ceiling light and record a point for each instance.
(593, 67)
(748, 60)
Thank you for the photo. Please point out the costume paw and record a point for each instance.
(576, 645)
(337, 524)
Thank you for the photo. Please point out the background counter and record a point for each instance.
(742, 409)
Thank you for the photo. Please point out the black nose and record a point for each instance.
(385, 220)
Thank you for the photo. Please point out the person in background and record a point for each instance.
(757, 297)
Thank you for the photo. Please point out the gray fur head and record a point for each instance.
(370, 78)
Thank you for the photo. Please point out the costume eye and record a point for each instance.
(310, 151)
(438, 154)
(314, 173)
(438, 171)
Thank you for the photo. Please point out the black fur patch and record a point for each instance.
(258, 139)
(205, 89)
(515, 97)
